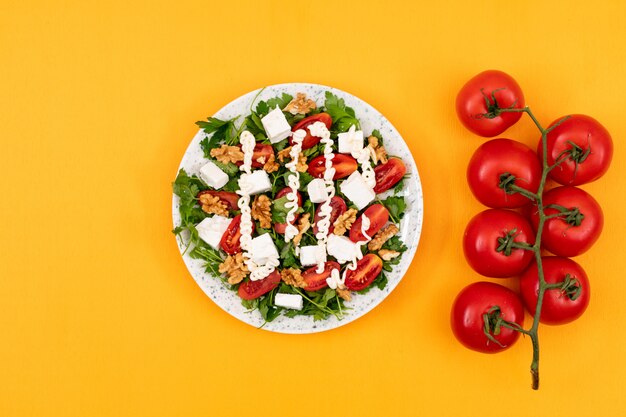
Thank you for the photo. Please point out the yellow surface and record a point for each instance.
(98, 315)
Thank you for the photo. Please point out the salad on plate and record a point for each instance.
(295, 207)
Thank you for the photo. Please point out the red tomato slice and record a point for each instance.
(228, 198)
(389, 174)
(281, 227)
(344, 166)
(250, 290)
(309, 140)
(367, 269)
(261, 152)
(315, 281)
(378, 215)
(230, 240)
(338, 207)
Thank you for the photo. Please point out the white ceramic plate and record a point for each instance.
(410, 226)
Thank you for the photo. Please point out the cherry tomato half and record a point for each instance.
(485, 243)
(480, 98)
(586, 146)
(226, 197)
(389, 174)
(367, 269)
(574, 234)
(309, 140)
(260, 155)
(559, 306)
(281, 227)
(249, 290)
(316, 281)
(378, 216)
(344, 166)
(488, 169)
(338, 207)
(230, 240)
(470, 306)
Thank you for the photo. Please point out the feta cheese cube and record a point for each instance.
(342, 248)
(293, 301)
(350, 141)
(212, 229)
(312, 255)
(213, 175)
(255, 183)
(317, 191)
(357, 190)
(262, 249)
(276, 125)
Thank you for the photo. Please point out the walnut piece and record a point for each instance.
(293, 277)
(301, 166)
(304, 224)
(234, 268)
(300, 104)
(382, 236)
(261, 210)
(227, 154)
(378, 152)
(212, 204)
(270, 165)
(387, 254)
(284, 154)
(344, 222)
(344, 293)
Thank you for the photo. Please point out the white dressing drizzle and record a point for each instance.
(257, 272)
(363, 156)
(337, 281)
(293, 181)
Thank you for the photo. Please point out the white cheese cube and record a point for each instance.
(342, 248)
(262, 249)
(357, 190)
(276, 125)
(317, 191)
(350, 141)
(312, 255)
(212, 229)
(213, 175)
(293, 301)
(255, 183)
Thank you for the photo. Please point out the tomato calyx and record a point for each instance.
(493, 108)
(575, 153)
(507, 184)
(570, 287)
(571, 216)
(507, 243)
(493, 322)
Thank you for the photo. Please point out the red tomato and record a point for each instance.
(484, 243)
(260, 151)
(489, 166)
(230, 240)
(588, 148)
(389, 174)
(573, 235)
(479, 101)
(249, 290)
(226, 197)
(558, 306)
(470, 306)
(344, 165)
(338, 207)
(309, 140)
(378, 215)
(281, 227)
(367, 269)
(315, 281)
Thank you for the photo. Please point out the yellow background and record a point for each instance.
(98, 315)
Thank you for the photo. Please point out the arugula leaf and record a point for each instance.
(187, 188)
(279, 211)
(269, 311)
(342, 115)
(305, 179)
(288, 256)
(399, 186)
(230, 169)
(211, 256)
(396, 207)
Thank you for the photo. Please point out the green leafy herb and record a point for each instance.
(187, 188)
(280, 211)
(220, 131)
(265, 107)
(399, 186)
(376, 133)
(288, 256)
(342, 115)
(211, 256)
(305, 179)
(230, 169)
(396, 207)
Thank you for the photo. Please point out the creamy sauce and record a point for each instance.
(293, 181)
(363, 156)
(257, 272)
(337, 281)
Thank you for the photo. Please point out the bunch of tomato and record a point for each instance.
(504, 241)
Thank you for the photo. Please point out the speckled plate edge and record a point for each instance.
(410, 226)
